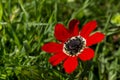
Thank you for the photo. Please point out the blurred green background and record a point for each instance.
(25, 25)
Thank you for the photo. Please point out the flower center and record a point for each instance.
(74, 46)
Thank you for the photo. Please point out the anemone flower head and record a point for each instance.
(73, 44)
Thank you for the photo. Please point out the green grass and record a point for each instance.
(25, 25)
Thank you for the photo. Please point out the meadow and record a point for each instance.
(26, 25)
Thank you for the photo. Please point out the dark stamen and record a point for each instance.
(74, 45)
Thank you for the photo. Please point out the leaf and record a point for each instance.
(1, 13)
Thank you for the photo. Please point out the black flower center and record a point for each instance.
(74, 45)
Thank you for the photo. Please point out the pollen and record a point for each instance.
(74, 45)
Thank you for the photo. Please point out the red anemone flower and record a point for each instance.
(73, 44)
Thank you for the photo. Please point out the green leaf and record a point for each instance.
(1, 14)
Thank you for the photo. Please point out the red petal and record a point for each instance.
(88, 28)
(57, 58)
(52, 47)
(70, 64)
(61, 33)
(95, 38)
(87, 54)
(75, 30)
(54, 57)
(73, 27)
